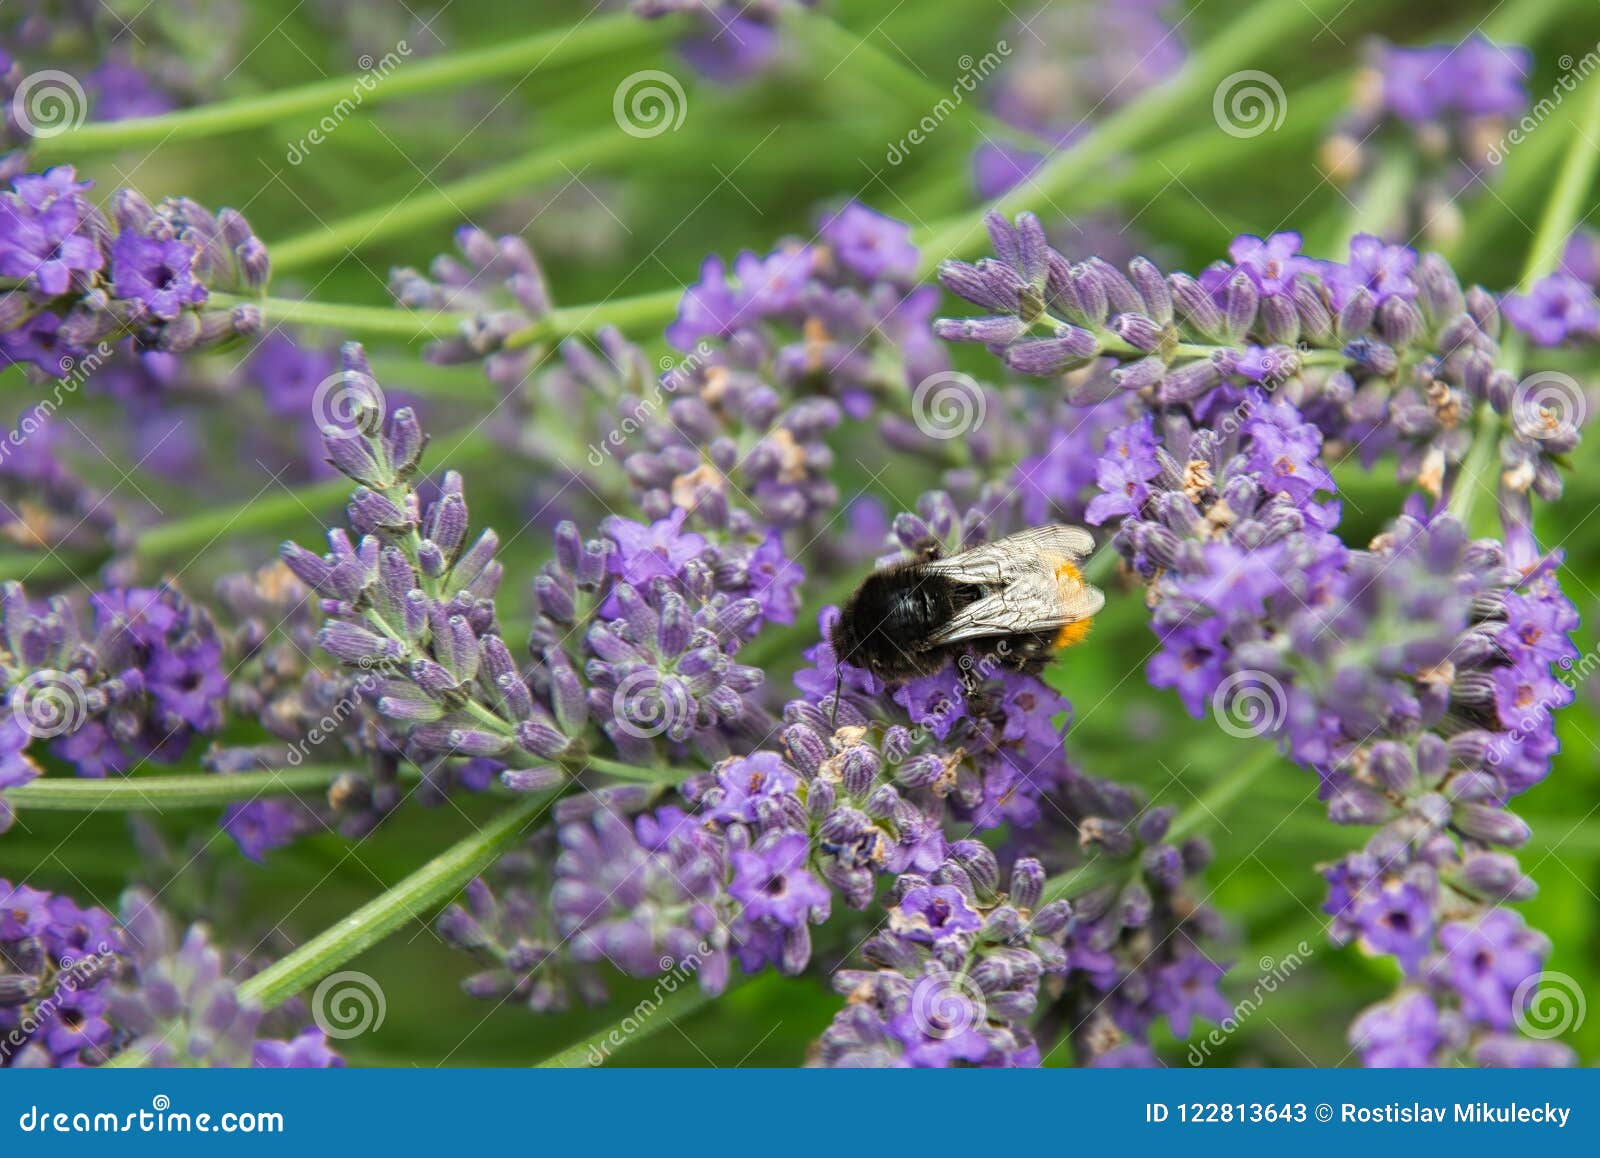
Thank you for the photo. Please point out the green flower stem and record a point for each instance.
(167, 792)
(1209, 808)
(418, 894)
(825, 36)
(1200, 154)
(1562, 212)
(377, 321)
(640, 312)
(1272, 24)
(590, 40)
(447, 202)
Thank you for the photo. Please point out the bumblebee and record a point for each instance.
(1017, 601)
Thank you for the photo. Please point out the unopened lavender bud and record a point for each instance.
(1140, 375)
(1153, 291)
(1399, 322)
(1195, 307)
(1053, 919)
(1492, 825)
(919, 771)
(1239, 301)
(1356, 316)
(1496, 876)
(1091, 293)
(1278, 320)
(991, 331)
(1153, 825)
(1141, 332)
(1188, 382)
(981, 866)
(541, 739)
(1044, 357)
(1392, 766)
(539, 779)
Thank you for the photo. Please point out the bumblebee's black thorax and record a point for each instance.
(885, 626)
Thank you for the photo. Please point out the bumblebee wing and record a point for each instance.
(1033, 584)
(1004, 560)
(1027, 605)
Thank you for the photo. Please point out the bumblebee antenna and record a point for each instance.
(838, 686)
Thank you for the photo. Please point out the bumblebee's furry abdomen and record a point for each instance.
(884, 626)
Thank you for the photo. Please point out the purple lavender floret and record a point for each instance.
(1383, 353)
(147, 273)
(176, 1004)
(1558, 309)
(1356, 661)
(728, 42)
(499, 283)
(57, 962)
(141, 685)
(958, 991)
(1446, 109)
